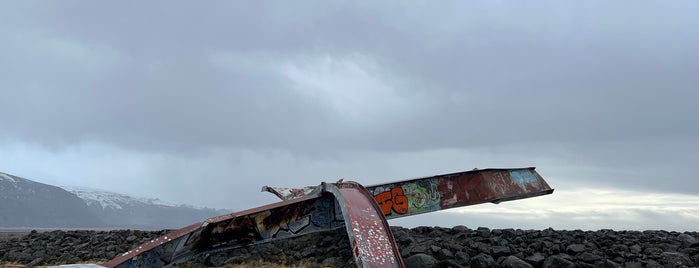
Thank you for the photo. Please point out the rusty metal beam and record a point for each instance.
(289, 193)
(428, 194)
(373, 244)
(344, 204)
(361, 211)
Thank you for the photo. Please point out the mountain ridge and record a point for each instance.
(88, 208)
(26, 203)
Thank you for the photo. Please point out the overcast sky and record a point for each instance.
(203, 103)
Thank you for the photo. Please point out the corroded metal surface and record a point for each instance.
(289, 193)
(158, 252)
(410, 197)
(363, 211)
(372, 242)
(312, 213)
(421, 195)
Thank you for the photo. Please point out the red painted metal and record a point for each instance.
(373, 244)
(362, 211)
(157, 252)
(308, 214)
(289, 193)
(428, 194)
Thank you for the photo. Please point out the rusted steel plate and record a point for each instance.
(313, 213)
(289, 193)
(308, 214)
(157, 252)
(422, 195)
(372, 242)
(330, 206)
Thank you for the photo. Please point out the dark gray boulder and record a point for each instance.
(675, 259)
(482, 261)
(557, 261)
(421, 260)
(514, 262)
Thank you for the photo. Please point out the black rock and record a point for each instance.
(514, 262)
(483, 232)
(35, 262)
(500, 251)
(557, 261)
(588, 257)
(635, 249)
(451, 246)
(652, 251)
(333, 262)
(575, 249)
(444, 254)
(421, 260)
(676, 259)
(509, 233)
(653, 264)
(618, 250)
(482, 261)
(216, 260)
(417, 249)
(633, 264)
(450, 264)
(609, 264)
(461, 229)
(536, 260)
(686, 239)
(585, 265)
(462, 258)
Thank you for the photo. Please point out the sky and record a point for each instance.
(204, 103)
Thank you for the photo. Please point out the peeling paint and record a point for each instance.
(361, 211)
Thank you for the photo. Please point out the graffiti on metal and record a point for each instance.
(313, 215)
(414, 197)
(458, 189)
(372, 242)
(361, 211)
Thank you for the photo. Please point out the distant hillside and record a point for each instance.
(25, 203)
(125, 211)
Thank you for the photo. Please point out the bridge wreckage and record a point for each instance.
(361, 210)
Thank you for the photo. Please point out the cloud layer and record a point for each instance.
(218, 98)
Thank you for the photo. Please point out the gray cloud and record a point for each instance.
(262, 92)
(104, 68)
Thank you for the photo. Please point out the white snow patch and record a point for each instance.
(4, 176)
(113, 200)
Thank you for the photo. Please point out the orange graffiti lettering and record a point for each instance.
(393, 200)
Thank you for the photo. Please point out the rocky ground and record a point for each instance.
(420, 247)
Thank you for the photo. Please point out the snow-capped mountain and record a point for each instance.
(117, 209)
(107, 199)
(6, 177)
(25, 203)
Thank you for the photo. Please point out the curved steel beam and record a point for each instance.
(362, 211)
(373, 244)
(343, 204)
